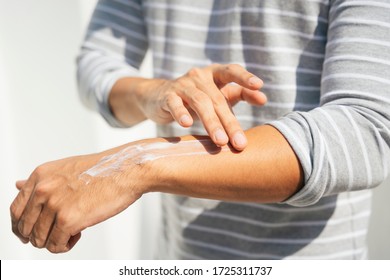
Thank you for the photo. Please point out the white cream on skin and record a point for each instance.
(139, 154)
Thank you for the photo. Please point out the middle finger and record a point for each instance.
(202, 104)
(226, 116)
(42, 228)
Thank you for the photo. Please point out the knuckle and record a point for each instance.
(41, 190)
(53, 248)
(233, 67)
(170, 100)
(52, 204)
(62, 220)
(33, 242)
(40, 170)
(195, 72)
(38, 242)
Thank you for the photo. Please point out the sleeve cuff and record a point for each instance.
(104, 92)
(294, 128)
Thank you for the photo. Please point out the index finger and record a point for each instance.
(18, 205)
(225, 116)
(20, 183)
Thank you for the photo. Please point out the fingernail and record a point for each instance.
(220, 136)
(185, 119)
(239, 140)
(255, 81)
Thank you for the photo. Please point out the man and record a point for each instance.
(287, 186)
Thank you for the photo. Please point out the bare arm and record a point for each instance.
(55, 205)
(266, 171)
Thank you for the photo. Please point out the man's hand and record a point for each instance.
(54, 205)
(204, 93)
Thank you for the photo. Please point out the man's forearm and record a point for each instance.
(62, 198)
(266, 171)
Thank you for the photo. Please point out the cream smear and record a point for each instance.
(141, 153)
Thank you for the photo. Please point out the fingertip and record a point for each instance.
(185, 120)
(220, 137)
(254, 97)
(20, 183)
(239, 141)
(262, 98)
(255, 82)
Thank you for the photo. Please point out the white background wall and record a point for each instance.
(41, 119)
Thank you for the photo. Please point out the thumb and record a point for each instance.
(20, 183)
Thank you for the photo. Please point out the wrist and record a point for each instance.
(131, 166)
(144, 93)
(127, 99)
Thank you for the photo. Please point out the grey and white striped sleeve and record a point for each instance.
(107, 55)
(344, 145)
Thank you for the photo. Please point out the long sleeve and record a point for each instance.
(114, 47)
(344, 145)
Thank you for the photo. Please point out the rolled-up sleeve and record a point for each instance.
(344, 144)
(114, 47)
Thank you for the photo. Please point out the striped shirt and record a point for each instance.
(326, 71)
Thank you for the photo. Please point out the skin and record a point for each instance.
(54, 205)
